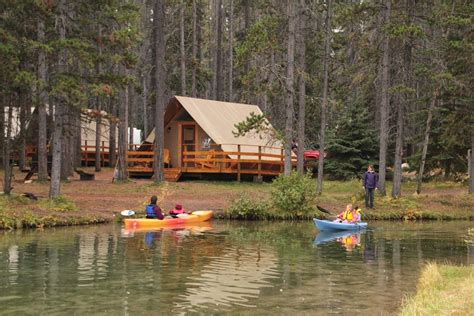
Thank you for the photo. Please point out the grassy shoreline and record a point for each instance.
(442, 290)
(101, 201)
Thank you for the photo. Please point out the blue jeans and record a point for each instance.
(369, 197)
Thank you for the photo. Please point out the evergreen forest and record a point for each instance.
(382, 82)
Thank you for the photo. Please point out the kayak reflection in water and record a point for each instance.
(151, 237)
(348, 239)
(350, 242)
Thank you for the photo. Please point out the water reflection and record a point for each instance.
(235, 277)
(13, 263)
(238, 268)
(345, 237)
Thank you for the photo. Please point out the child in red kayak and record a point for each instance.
(178, 209)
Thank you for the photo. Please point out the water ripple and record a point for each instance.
(234, 278)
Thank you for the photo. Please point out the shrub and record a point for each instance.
(244, 208)
(294, 194)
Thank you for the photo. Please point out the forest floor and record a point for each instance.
(101, 200)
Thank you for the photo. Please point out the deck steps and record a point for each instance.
(172, 174)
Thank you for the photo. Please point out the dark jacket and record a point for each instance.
(371, 180)
(154, 211)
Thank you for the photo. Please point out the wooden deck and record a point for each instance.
(88, 154)
(258, 163)
(140, 161)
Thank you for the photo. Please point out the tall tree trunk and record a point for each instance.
(219, 72)
(182, 48)
(200, 39)
(22, 98)
(246, 4)
(212, 89)
(290, 90)
(231, 51)
(68, 142)
(322, 136)
(98, 121)
(98, 133)
(123, 133)
(7, 179)
(2, 126)
(54, 190)
(56, 167)
(302, 88)
(131, 113)
(384, 104)
(160, 74)
(194, 51)
(113, 134)
(145, 107)
(471, 165)
(421, 171)
(403, 103)
(76, 140)
(397, 167)
(43, 100)
(65, 142)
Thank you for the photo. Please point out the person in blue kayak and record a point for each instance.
(370, 183)
(357, 214)
(153, 210)
(349, 215)
(345, 216)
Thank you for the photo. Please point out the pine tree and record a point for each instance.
(352, 144)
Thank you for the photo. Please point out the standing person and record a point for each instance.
(153, 210)
(370, 183)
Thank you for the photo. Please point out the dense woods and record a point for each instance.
(384, 82)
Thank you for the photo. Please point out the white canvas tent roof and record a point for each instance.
(217, 119)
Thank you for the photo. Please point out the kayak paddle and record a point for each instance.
(324, 210)
(127, 213)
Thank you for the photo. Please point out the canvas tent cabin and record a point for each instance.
(199, 139)
(30, 133)
(88, 136)
(87, 127)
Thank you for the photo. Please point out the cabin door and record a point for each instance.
(188, 141)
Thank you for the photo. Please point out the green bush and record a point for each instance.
(244, 208)
(294, 194)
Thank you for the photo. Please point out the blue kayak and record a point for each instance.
(323, 225)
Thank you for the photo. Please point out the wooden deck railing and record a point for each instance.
(257, 162)
(244, 159)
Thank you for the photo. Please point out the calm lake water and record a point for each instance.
(221, 267)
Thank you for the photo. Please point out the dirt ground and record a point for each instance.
(102, 198)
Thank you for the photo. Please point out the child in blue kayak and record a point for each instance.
(153, 210)
(357, 214)
(349, 215)
(343, 217)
